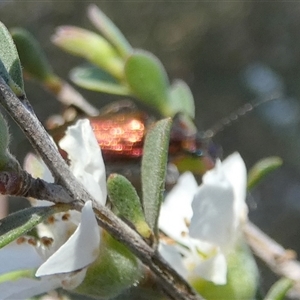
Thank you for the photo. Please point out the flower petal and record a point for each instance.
(61, 227)
(236, 172)
(79, 251)
(38, 169)
(86, 159)
(176, 210)
(213, 269)
(25, 288)
(213, 207)
(18, 256)
(173, 256)
(200, 260)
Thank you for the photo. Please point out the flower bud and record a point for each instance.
(115, 270)
(242, 277)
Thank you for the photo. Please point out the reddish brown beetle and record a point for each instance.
(120, 130)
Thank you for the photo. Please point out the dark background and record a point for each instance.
(229, 53)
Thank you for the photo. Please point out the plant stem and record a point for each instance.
(172, 283)
(280, 260)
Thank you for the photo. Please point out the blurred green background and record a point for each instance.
(229, 53)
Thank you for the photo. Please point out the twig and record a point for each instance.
(41, 142)
(280, 260)
(3, 206)
(172, 283)
(23, 184)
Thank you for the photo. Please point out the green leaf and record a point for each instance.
(95, 79)
(9, 56)
(35, 63)
(4, 74)
(109, 30)
(20, 222)
(7, 161)
(279, 289)
(125, 198)
(91, 46)
(181, 99)
(261, 169)
(148, 81)
(154, 164)
(32, 56)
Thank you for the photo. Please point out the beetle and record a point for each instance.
(121, 128)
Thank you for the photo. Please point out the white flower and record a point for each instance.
(204, 222)
(73, 238)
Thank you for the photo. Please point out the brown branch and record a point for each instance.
(172, 283)
(3, 206)
(280, 260)
(23, 184)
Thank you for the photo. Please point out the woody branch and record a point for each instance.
(171, 282)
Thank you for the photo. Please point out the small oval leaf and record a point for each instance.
(91, 46)
(125, 198)
(4, 74)
(95, 79)
(181, 99)
(154, 163)
(9, 56)
(261, 169)
(32, 56)
(148, 80)
(109, 30)
(20, 222)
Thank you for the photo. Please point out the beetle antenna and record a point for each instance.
(235, 115)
